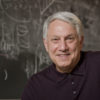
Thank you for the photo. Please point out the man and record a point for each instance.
(74, 75)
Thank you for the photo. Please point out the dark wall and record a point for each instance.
(21, 43)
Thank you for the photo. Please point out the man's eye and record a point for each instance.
(70, 39)
(55, 40)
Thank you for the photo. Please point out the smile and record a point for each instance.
(63, 56)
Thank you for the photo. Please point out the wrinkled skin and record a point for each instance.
(63, 45)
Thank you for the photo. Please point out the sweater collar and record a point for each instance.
(78, 70)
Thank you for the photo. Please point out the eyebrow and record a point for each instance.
(71, 35)
(67, 35)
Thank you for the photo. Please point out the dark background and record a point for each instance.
(21, 48)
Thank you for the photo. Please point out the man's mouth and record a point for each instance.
(66, 54)
(63, 56)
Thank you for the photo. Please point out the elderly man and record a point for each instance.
(74, 75)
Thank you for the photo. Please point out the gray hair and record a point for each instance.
(67, 17)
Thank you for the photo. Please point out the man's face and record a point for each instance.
(63, 45)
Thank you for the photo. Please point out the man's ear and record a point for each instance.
(45, 44)
(81, 41)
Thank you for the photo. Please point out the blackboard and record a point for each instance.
(21, 48)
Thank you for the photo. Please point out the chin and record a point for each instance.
(64, 65)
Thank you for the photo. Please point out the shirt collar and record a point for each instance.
(81, 66)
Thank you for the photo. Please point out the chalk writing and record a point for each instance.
(22, 36)
(45, 6)
(17, 11)
(29, 68)
(6, 44)
(43, 59)
(6, 74)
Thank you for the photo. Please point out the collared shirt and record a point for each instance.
(83, 83)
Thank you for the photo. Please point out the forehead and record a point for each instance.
(58, 22)
(60, 26)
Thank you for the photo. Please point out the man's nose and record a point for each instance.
(63, 46)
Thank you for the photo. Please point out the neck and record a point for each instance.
(68, 69)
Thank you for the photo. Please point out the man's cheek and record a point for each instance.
(53, 48)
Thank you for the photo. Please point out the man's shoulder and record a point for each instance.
(91, 60)
(35, 83)
(40, 76)
(92, 54)
(92, 57)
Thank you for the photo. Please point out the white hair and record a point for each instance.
(64, 16)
